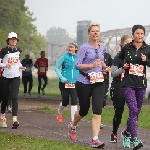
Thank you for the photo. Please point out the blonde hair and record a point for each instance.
(92, 25)
(123, 39)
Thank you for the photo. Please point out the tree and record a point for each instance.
(58, 35)
(16, 17)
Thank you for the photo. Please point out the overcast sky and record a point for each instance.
(110, 14)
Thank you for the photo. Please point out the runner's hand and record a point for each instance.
(125, 66)
(96, 63)
(143, 57)
(107, 69)
(23, 68)
(8, 66)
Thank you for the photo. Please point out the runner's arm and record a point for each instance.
(58, 67)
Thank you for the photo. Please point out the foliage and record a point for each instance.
(16, 17)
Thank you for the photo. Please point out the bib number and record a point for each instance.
(42, 69)
(96, 77)
(136, 70)
(67, 85)
(28, 69)
(122, 75)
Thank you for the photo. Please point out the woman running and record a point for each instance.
(116, 92)
(10, 76)
(136, 56)
(90, 82)
(67, 80)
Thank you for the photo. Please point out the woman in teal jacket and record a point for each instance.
(67, 79)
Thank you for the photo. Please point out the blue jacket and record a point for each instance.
(28, 64)
(65, 68)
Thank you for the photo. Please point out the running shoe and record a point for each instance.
(122, 135)
(15, 124)
(113, 138)
(3, 123)
(97, 144)
(9, 109)
(72, 132)
(137, 144)
(60, 118)
(102, 126)
(30, 93)
(126, 139)
(43, 91)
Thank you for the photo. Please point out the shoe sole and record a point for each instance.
(99, 146)
(15, 125)
(137, 147)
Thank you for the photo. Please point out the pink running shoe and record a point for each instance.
(72, 132)
(97, 144)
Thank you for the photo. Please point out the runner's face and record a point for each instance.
(12, 42)
(128, 40)
(42, 55)
(71, 49)
(139, 36)
(94, 33)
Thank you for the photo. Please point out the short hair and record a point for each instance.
(92, 25)
(135, 27)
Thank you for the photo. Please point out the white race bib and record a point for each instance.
(42, 69)
(28, 69)
(136, 70)
(67, 85)
(96, 77)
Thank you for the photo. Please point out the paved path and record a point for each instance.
(44, 125)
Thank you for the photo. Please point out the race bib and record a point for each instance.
(13, 60)
(28, 69)
(96, 77)
(67, 85)
(122, 75)
(42, 69)
(136, 70)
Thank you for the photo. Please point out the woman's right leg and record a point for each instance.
(5, 95)
(65, 101)
(84, 93)
(118, 99)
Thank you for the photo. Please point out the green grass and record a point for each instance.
(52, 88)
(18, 142)
(107, 115)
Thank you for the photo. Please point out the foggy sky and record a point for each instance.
(110, 14)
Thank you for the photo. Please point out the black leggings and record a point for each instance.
(65, 92)
(105, 93)
(1, 89)
(25, 80)
(118, 99)
(40, 77)
(14, 82)
(84, 92)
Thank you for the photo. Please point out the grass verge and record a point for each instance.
(108, 113)
(18, 142)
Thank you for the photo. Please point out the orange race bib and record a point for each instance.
(122, 75)
(136, 70)
(68, 85)
(13, 60)
(96, 77)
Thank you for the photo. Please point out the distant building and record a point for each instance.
(82, 32)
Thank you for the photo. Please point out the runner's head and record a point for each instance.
(27, 56)
(94, 32)
(138, 32)
(72, 48)
(42, 54)
(12, 39)
(124, 40)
